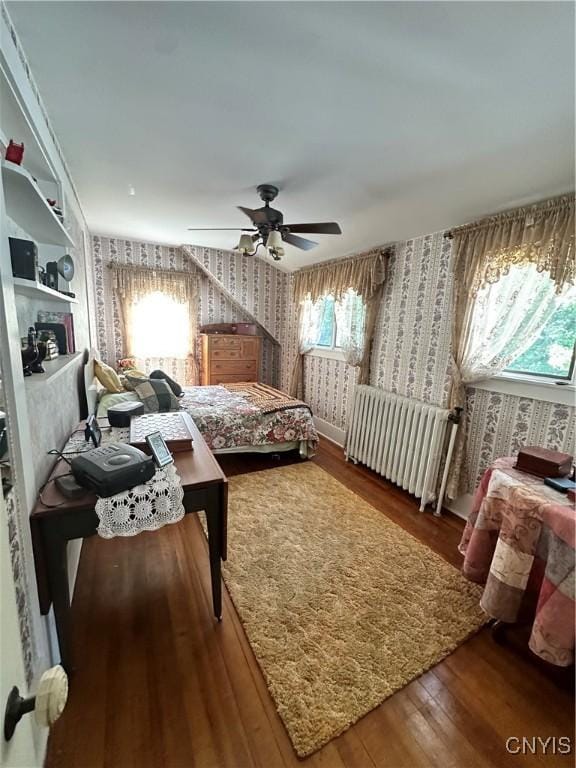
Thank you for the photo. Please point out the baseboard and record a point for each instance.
(325, 429)
(461, 507)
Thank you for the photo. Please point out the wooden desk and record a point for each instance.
(205, 488)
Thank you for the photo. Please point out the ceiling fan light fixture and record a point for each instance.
(276, 253)
(274, 240)
(246, 245)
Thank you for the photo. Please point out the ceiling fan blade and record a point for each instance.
(299, 242)
(221, 229)
(319, 228)
(255, 216)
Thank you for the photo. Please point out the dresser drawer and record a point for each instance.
(226, 353)
(224, 342)
(233, 366)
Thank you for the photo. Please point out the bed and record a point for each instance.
(233, 418)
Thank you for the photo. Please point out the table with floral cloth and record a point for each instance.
(518, 524)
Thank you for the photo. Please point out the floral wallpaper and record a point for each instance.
(411, 356)
(412, 339)
(256, 285)
(328, 385)
(21, 588)
(498, 425)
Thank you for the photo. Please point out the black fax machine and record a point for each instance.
(112, 468)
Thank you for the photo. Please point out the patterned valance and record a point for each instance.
(541, 234)
(135, 282)
(364, 273)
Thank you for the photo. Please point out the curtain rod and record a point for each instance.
(138, 268)
(542, 206)
(382, 250)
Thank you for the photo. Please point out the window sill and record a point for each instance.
(529, 386)
(331, 354)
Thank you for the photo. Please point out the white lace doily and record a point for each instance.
(145, 507)
(142, 508)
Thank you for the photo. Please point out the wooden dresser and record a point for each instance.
(228, 358)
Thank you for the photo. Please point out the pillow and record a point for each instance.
(135, 374)
(107, 376)
(174, 386)
(156, 395)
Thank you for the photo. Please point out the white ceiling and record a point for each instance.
(394, 119)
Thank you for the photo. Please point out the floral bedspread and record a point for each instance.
(228, 420)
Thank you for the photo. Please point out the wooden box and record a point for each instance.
(544, 462)
(246, 329)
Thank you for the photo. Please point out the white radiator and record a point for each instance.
(401, 439)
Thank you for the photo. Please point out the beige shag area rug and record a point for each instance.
(341, 606)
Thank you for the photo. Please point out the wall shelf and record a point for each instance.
(35, 290)
(26, 205)
(16, 125)
(53, 369)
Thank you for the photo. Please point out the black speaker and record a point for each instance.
(24, 257)
(52, 275)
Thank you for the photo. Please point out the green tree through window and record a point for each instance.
(553, 351)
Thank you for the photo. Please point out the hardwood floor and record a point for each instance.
(160, 684)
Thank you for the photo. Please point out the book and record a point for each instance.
(562, 484)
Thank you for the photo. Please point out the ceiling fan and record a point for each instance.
(269, 228)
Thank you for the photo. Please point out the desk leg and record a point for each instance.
(57, 566)
(214, 523)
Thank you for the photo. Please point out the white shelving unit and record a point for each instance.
(16, 125)
(35, 290)
(53, 369)
(26, 204)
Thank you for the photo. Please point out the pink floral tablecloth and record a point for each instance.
(516, 520)
(228, 420)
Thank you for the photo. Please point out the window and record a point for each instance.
(522, 334)
(551, 355)
(332, 324)
(160, 327)
(327, 324)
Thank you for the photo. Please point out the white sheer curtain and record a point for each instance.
(309, 319)
(507, 318)
(350, 319)
(504, 320)
(311, 322)
(364, 274)
(350, 314)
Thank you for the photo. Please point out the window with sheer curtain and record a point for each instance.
(159, 327)
(158, 315)
(551, 354)
(336, 325)
(523, 325)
